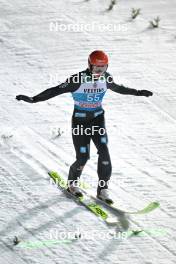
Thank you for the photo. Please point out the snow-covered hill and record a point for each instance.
(41, 44)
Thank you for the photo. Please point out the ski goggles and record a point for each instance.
(99, 70)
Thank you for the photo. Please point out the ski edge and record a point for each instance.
(147, 209)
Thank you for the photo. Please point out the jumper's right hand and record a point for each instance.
(24, 98)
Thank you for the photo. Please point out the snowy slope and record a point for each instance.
(142, 131)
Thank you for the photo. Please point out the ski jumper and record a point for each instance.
(88, 122)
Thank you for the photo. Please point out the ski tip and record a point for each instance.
(154, 205)
(149, 208)
(51, 172)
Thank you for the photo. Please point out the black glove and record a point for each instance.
(144, 93)
(25, 98)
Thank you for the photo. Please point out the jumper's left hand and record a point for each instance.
(144, 93)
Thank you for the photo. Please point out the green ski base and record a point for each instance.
(147, 209)
(91, 201)
(87, 201)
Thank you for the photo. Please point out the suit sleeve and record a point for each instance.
(119, 88)
(68, 86)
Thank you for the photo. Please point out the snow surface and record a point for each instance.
(142, 131)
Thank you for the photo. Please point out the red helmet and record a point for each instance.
(98, 62)
(98, 58)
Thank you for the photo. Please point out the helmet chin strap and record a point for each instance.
(96, 75)
(90, 67)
